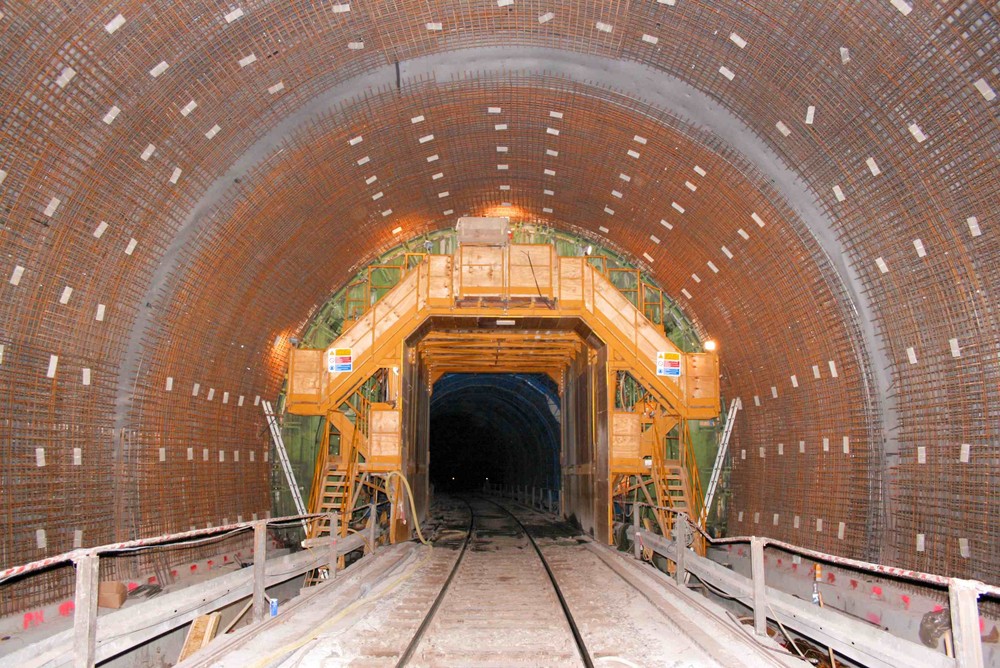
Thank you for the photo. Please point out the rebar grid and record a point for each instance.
(73, 150)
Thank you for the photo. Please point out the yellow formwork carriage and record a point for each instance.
(514, 285)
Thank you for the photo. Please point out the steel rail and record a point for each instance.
(577, 636)
(425, 624)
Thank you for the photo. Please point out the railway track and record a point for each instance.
(501, 604)
(504, 586)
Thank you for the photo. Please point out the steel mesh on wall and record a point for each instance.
(204, 273)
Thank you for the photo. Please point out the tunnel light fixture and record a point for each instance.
(506, 323)
(710, 345)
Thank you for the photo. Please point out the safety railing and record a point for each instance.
(853, 638)
(89, 642)
(539, 498)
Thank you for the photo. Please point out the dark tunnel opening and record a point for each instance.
(501, 428)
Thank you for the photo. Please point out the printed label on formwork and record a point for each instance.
(668, 364)
(340, 360)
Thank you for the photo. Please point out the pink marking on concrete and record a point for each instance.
(194, 567)
(66, 608)
(831, 578)
(938, 608)
(874, 618)
(906, 601)
(876, 591)
(34, 618)
(133, 585)
(152, 579)
(854, 584)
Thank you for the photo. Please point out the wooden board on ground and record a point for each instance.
(201, 632)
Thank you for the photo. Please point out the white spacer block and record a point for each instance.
(985, 90)
(15, 276)
(819, 524)
(99, 315)
(65, 77)
(677, 207)
(432, 26)
(130, 248)
(188, 108)
(111, 115)
(840, 530)
(195, 389)
(839, 194)
(963, 548)
(40, 539)
(77, 456)
(85, 376)
(782, 128)
(699, 171)
(882, 266)
(546, 17)
(911, 355)
(114, 24)
(278, 87)
(248, 60)
(757, 219)
(873, 166)
(603, 27)
(904, 7)
(159, 69)
(921, 454)
(921, 542)
(40, 457)
(810, 114)
(233, 15)
(833, 368)
(964, 453)
(973, 224)
(726, 72)
(728, 253)
(847, 445)
(666, 224)
(711, 265)
(743, 233)
(917, 133)
(795, 380)
(955, 350)
(648, 257)
(737, 40)
(650, 39)
(53, 365)
(919, 246)
(52, 206)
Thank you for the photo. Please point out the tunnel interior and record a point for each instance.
(501, 428)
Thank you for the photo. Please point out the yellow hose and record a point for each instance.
(413, 509)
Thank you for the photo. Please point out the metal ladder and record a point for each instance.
(720, 457)
(286, 466)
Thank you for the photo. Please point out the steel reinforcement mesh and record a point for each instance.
(173, 207)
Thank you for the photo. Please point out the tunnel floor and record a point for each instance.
(482, 596)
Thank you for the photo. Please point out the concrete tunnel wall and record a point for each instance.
(815, 184)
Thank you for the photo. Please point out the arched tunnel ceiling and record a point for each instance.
(183, 183)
